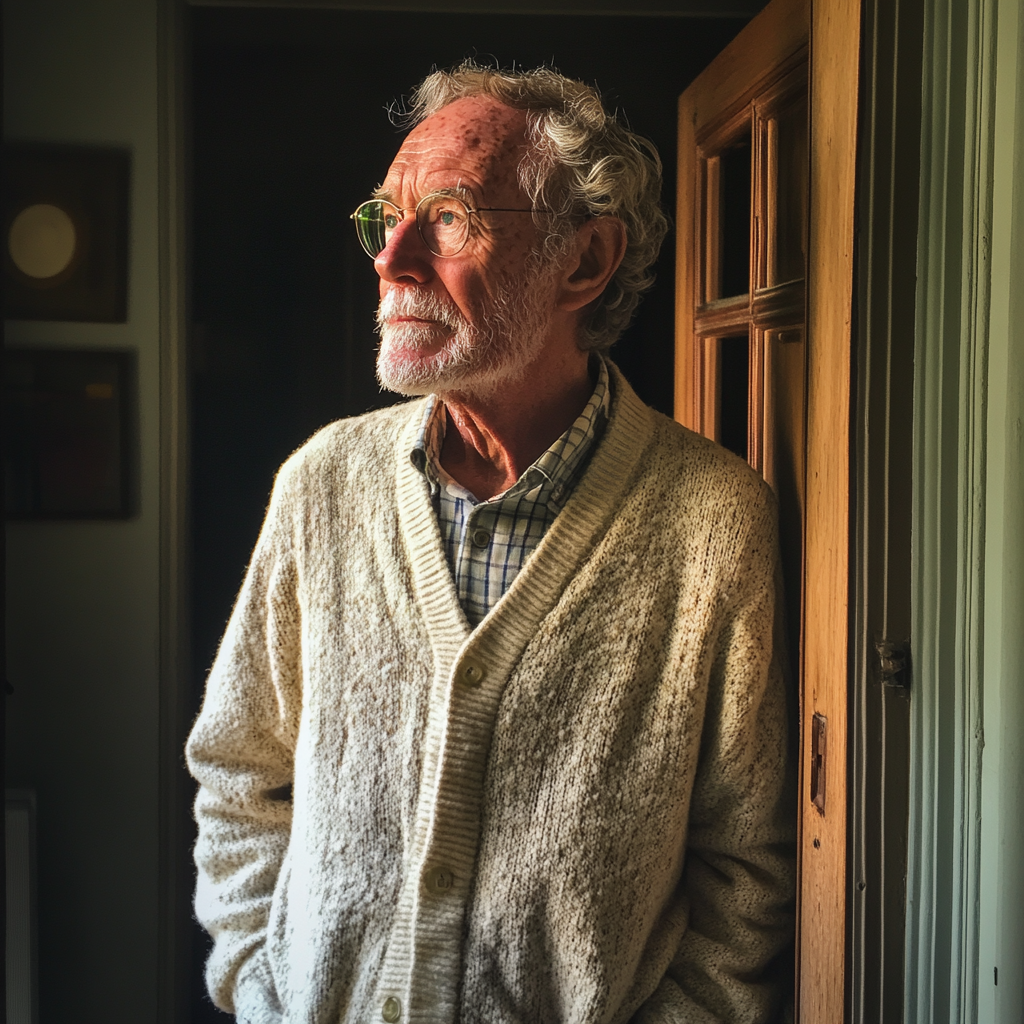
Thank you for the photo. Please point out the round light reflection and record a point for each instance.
(42, 241)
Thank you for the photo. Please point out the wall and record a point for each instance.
(83, 597)
(965, 932)
(1001, 939)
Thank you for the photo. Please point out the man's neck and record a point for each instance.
(492, 440)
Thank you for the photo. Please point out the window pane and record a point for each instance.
(787, 184)
(734, 381)
(735, 220)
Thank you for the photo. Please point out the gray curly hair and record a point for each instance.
(582, 163)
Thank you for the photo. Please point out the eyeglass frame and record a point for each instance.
(415, 212)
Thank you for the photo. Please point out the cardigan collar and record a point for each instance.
(513, 621)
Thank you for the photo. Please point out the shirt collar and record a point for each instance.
(558, 465)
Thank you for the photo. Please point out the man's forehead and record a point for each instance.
(477, 137)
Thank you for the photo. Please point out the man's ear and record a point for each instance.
(600, 246)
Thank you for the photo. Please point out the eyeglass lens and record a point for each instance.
(443, 223)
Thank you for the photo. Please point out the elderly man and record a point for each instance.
(496, 733)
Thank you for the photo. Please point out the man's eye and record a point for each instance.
(390, 221)
(447, 217)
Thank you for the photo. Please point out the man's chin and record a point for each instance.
(412, 362)
(413, 377)
(407, 361)
(410, 373)
(408, 388)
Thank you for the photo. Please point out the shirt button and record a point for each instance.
(439, 880)
(471, 672)
(481, 538)
(391, 1010)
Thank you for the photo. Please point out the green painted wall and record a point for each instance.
(83, 597)
(966, 857)
(1001, 930)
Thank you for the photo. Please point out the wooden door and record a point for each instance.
(763, 292)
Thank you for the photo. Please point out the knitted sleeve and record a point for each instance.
(241, 751)
(739, 875)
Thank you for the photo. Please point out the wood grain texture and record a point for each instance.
(835, 35)
(735, 79)
(731, 82)
(688, 216)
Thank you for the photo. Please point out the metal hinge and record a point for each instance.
(894, 663)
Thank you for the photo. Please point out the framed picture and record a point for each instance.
(68, 418)
(65, 233)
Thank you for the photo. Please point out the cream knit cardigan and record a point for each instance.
(577, 812)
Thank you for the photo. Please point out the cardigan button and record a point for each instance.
(438, 880)
(391, 1010)
(472, 672)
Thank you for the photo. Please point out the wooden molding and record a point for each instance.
(709, 112)
(706, 110)
(834, 73)
(951, 383)
(175, 790)
(882, 498)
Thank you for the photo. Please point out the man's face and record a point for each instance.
(472, 321)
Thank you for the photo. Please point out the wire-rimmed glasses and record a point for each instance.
(442, 220)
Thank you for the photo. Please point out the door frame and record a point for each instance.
(174, 866)
(967, 802)
(834, 81)
(834, 76)
(834, 70)
(881, 682)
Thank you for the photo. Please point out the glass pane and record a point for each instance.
(733, 399)
(784, 456)
(787, 193)
(735, 220)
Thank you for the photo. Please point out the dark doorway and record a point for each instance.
(290, 134)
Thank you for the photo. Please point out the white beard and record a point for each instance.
(475, 359)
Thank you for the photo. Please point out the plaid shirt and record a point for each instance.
(488, 542)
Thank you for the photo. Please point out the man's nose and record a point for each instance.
(405, 257)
